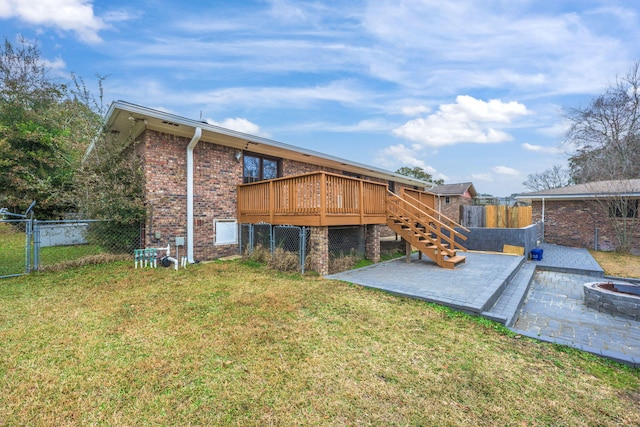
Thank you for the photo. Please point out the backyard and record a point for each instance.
(234, 343)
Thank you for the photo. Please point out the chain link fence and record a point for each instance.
(78, 242)
(32, 245)
(282, 247)
(346, 248)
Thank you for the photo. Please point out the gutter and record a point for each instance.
(192, 144)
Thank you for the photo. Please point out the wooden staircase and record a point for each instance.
(425, 229)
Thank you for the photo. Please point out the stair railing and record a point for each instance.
(430, 223)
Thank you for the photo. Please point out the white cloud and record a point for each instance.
(399, 155)
(415, 110)
(541, 149)
(467, 120)
(240, 125)
(66, 15)
(504, 170)
(487, 177)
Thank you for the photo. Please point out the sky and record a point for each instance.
(470, 91)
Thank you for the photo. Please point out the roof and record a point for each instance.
(589, 190)
(126, 121)
(454, 189)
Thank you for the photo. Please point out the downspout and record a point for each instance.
(192, 144)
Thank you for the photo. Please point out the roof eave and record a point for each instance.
(138, 112)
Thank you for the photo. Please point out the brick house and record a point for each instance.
(202, 180)
(450, 197)
(591, 215)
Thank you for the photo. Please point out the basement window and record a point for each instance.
(226, 231)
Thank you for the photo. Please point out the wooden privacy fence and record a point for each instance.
(495, 216)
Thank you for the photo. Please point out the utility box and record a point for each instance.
(179, 241)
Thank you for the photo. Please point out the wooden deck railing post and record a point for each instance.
(361, 202)
(272, 202)
(323, 199)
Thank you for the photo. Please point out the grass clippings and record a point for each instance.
(235, 343)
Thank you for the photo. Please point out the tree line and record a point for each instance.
(46, 126)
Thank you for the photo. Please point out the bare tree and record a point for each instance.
(618, 201)
(606, 133)
(554, 177)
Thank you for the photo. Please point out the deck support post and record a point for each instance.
(319, 249)
(407, 251)
(372, 242)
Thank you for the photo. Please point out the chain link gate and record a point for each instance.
(16, 247)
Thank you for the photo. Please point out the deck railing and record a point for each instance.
(313, 199)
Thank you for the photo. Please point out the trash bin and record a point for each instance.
(536, 254)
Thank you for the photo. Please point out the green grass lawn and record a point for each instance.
(232, 343)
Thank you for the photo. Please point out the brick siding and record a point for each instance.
(573, 223)
(216, 176)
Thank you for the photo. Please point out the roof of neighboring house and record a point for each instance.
(590, 190)
(126, 121)
(454, 189)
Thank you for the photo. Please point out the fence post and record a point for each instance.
(36, 245)
(303, 248)
(28, 231)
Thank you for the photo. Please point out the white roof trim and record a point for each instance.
(362, 168)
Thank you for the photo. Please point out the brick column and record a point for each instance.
(319, 249)
(372, 242)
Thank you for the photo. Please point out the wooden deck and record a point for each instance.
(313, 199)
(325, 199)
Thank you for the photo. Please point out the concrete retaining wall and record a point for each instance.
(493, 239)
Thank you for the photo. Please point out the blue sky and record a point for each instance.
(468, 90)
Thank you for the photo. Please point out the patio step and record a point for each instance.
(511, 299)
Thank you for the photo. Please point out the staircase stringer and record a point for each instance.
(424, 232)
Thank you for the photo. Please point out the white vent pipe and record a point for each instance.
(192, 144)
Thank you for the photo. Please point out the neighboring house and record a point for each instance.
(594, 215)
(202, 180)
(449, 198)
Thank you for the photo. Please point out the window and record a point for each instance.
(259, 168)
(392, 186)
(447, 200)
(624, 208)
(226, 231)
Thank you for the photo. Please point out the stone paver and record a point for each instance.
(554, 311)
(472, 287)
(495, 286)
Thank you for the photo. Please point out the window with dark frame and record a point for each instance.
(259, 168)
(624, 208)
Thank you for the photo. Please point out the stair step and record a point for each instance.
(457, 259)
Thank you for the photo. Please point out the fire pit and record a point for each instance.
(620, 299)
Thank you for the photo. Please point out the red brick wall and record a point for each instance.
(216, 176)
(573, 223)
(452, 210)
